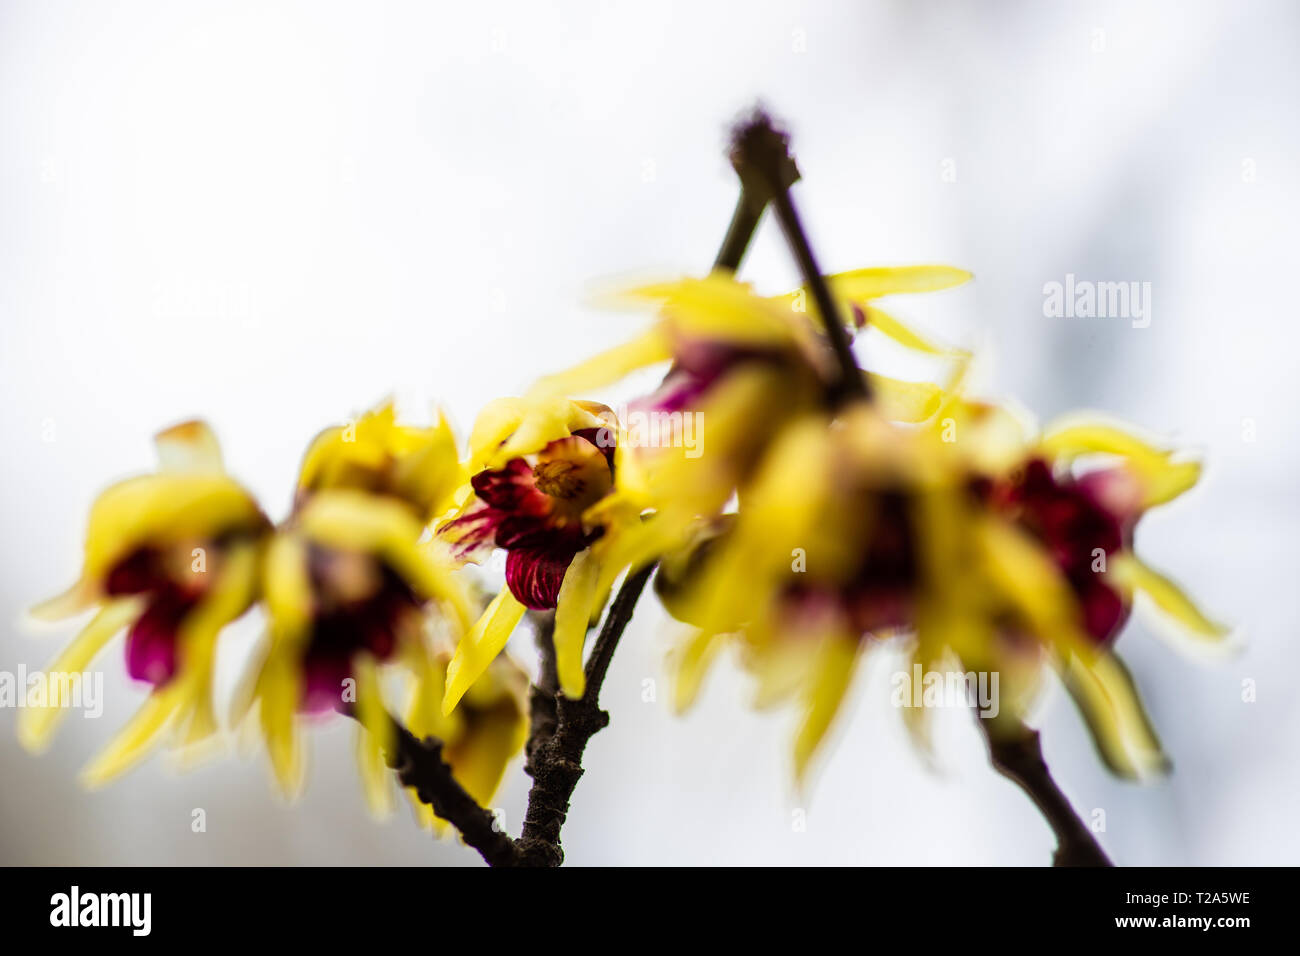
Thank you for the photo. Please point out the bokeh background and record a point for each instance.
(274, 215)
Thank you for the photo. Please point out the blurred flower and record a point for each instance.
(1083, 497)
(741, 366)
(414, 465)
(173, 557)
(349, 582)
(542, 469)
(857, 530)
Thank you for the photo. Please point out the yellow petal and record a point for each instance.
(377, 736)
(81, 597)
(229, 597)
(480, 646)
(1112, 710)
(189, 447)
(279, 690)
(133, 742)
(689, 663)
(901, 401)
(609, 366)
(1027, 578)
(424, 716)
(287, 587)
(36, 725)
(574, 609)
(430, 472)
(719, 307)
(903, 334)
(545, 421)
(860, 285)
(1163, 478)
(494, 424)
(479, 761)
(832, 675)
(161, 509)
(1133, 575)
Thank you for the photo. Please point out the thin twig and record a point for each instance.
(761, 155)
(744, 222)
(419, 765)
(1018, 756)
(556, 765)
(542, 716)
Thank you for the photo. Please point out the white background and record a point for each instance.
(273, 216)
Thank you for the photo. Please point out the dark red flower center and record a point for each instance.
(1081, 532)
(361, 606)
(172, 588)
(533, 508)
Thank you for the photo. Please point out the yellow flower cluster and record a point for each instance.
(802, 529)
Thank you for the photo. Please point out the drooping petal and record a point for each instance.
(535, 574)
(480, 646)
(377, 736)
(36, 725)
(1113, 712)
(151, 642)
(279, 689)
(1134, 575)
(689, 663)
(832, 674)
(576, 605)
(287, 588)
(133, 742)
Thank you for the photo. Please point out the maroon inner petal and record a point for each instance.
(151, 642)
(1104, 610)
(324, 671)
(535, 574)
(508, 488)
(136, 573)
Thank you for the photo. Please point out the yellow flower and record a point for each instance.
(415, 465)
(172, 557)
(857, 530)
(543, 469)
(349, 580)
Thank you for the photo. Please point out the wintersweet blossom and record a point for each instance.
(172, 558)
(543, 469)
(350, 581)
(856, 530)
